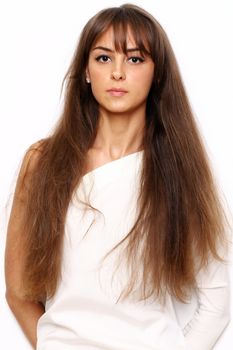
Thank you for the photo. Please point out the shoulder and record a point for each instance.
(29, 164)
(32, 156)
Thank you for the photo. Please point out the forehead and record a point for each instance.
(109, 38)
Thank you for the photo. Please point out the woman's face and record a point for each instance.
(109, 70)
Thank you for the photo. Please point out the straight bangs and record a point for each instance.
(123, 27)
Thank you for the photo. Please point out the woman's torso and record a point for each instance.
(84, 313)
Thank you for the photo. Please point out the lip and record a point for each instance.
(117, 89)
(117, 92)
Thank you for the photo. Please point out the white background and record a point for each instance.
(37, 40)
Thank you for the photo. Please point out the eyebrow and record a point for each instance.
(110, 50)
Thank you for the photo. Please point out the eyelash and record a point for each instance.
(140, 59)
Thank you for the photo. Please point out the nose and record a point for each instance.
(118, 75)
(118, 71)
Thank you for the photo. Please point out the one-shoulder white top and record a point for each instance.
(85, 312)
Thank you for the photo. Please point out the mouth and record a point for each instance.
(117, 92)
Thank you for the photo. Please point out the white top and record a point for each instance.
(84, 313)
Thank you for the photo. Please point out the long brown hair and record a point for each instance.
(180, 220)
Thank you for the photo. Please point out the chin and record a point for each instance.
(117, 110)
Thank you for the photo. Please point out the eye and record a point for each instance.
(102, 58)
(136, 59)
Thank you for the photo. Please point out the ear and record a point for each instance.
(88, 80)
(87, 73)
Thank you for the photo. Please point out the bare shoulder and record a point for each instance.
(28, 166)
(32, 156)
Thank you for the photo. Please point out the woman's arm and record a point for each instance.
(27, 313)
(213, 313)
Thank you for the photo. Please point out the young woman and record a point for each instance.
(116, 227)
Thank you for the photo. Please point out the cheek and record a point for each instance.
(142, 81)
(98, 73)
(148, 76)
(97, 89)
(98, 81)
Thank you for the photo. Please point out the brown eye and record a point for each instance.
(136, 59)
(102, 58)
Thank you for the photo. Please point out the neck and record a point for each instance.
(119, 135)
